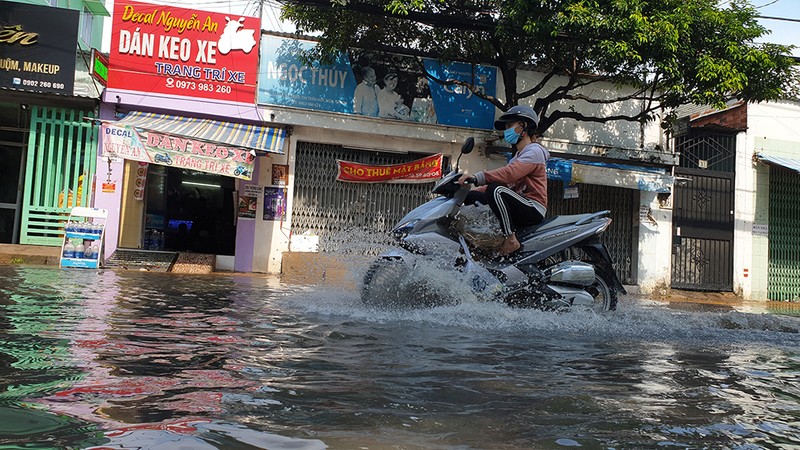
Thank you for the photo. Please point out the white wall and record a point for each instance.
(744, 216)
(620, 134)
(655, 243)
(774, 120)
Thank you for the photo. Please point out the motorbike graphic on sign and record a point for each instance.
(235, 39)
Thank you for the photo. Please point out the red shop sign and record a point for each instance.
(419, 171)
(184, 52)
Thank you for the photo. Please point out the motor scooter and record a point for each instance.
(561, 264)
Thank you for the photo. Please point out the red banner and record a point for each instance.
(184, 52)
(420, 171)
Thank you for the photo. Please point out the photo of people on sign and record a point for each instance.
(391, 87)
(375, 84)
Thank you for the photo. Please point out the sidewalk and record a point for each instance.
(42, 255)
(29, 254)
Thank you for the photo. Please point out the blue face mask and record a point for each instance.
(511, 136)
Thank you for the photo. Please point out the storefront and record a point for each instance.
(181, 180)
(780, 229)
(47, 137)
(186, 158)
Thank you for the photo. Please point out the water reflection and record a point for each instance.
(150, 360)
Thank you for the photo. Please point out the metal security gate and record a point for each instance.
(335, 210)
(59, 171)
(703, 213)
(14, 128)
(623, 235)
(783, 277)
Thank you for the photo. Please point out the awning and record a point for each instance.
(209, 146)
(610, 174)
(788, 163)
(96, 7)
(253, 137)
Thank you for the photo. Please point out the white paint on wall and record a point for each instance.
(655, 244)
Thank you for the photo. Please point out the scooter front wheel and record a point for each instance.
(391, 283)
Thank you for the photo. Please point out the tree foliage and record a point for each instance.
(668, 52)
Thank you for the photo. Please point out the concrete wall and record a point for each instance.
(745, 268)
(616, 134)
(774, 130)
(655, 243)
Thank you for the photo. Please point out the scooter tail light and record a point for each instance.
(604, 227)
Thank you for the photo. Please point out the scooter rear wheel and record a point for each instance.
(605, 297)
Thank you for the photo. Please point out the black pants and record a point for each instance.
(513, 210)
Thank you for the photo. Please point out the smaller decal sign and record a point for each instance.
(280, 174)
(186, 153)
(274, 203)
(419, 171)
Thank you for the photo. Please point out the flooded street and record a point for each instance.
(161, 361)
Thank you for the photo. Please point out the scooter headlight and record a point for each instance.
(403, 229)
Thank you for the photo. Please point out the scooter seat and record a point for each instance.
(554, 222)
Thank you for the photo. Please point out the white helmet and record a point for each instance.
(520, 112)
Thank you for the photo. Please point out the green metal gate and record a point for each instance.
(783, 275)
(59, 171)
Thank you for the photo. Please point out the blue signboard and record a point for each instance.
(286, 81)
(455, 104)
(374, 84)
(559, 169)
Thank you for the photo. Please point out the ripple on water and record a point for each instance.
(157, 361)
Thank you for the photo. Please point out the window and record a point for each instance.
(86, 27)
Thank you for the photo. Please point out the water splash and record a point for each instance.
(635, 319)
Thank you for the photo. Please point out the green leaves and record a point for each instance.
(673, 51)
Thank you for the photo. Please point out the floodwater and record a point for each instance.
(138, 360)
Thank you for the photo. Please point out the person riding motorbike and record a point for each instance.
(517, 192)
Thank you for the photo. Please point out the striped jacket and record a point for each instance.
(525, 173)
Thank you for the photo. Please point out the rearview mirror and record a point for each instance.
(468, 145)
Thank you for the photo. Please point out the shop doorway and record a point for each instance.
(13, 142)
(189, 211)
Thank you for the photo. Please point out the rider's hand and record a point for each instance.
(466, 179)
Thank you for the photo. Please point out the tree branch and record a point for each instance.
(433, 19)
